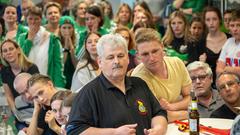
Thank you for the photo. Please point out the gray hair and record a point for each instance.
(199, 65)
(227, 73)
(114, 40)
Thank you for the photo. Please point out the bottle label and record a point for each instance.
(193, 125)
(194, 105)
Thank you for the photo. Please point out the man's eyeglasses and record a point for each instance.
(226, 85)
(200, 78)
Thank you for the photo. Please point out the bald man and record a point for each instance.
(24, 102)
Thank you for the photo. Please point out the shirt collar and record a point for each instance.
(215, 98)
(110, 86)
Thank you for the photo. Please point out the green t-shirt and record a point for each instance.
(196, 5)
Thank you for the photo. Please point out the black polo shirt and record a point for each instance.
(102, 105)
(224, 112)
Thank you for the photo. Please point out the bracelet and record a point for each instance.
(66, 50)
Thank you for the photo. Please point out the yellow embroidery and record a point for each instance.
(141, 107)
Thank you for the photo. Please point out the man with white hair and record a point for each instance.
(114, 103)
(208, 99)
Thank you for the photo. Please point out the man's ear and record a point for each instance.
(137, 54)
(99, 62)
(138, 57)
(211, 77)
(49, 83)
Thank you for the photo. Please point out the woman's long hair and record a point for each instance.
(87, 56)
(169, 35)
(96, 11)
(60, 95)
(23, 61)
(3, 27)
(144, 5)
(131, 44)
(117, 20)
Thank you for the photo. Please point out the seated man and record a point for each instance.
(42, 90)
(208, 99)
(167, 77)
(113, 103)
(24, 104)
(229, 89)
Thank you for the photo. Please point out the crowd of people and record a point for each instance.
(76, 68)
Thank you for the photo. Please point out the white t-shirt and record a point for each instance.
(82, 76)
(230, 53)
(39, 50)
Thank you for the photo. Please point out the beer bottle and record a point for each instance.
(193, 116)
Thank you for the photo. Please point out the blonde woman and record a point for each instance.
(178, 40)
(124, 16)
(14, 62)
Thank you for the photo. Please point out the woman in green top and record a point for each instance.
(124, 16)
(178, 40)
(10, 18)
(68, 41)
(94, 22)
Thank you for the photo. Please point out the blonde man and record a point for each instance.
(167, 77)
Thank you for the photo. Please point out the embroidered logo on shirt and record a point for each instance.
(141, 107)
(183, 49)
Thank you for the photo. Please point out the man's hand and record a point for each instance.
(151, 131)
(68, 43)
(32, 32)
(126, 130)
(50, 119)
(203, 57)
(228, 69)
(166, 105)
(37, 106)
(25, 129)
(94, 27)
